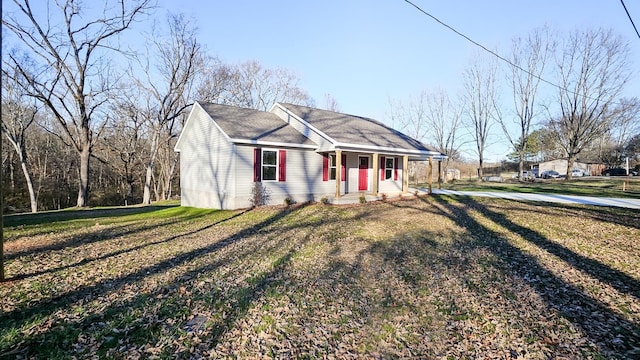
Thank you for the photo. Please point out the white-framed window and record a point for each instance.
(388, 168)
(332, 167)
(269, 165)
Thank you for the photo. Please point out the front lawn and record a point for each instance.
(435, 277)
(587, 186)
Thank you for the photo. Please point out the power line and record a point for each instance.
(485, 48)
(496, 54)
(630, 19)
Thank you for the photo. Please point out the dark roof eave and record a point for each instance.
(273, 143)
(387, 150)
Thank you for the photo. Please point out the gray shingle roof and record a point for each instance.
(357, 130)
(254, 125)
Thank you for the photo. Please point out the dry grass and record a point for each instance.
(428, 278)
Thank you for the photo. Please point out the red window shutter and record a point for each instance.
(382, 167)
(257, 164)
(343, 168)
(395, 169)
(325, 167)
(282, 166)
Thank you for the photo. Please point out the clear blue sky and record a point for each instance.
(362, 52)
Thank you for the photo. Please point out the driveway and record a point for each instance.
(556, 198)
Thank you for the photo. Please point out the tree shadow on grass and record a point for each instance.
(18, 318)
(612, 332)
(94, 236)
(606, 214)
(52, 216)
(83, 239)
(46, 306)
(614, 215)
(122, 251)
(615, 278)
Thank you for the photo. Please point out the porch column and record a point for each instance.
(430, 173)
(376, 174)
(338, 171)
(405, 174)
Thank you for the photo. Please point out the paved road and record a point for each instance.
(556, 198)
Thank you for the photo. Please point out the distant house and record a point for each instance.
(293, 151)
(560, 165)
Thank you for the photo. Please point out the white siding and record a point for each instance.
(353, 173)
(391, 186)
(303, 177)
(206, 163)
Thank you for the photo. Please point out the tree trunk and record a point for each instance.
(570, 160)
(480, 161)
(83, 190)
(521, 166)
(12, 183)
(22, 157)
(146, 197)
(32, 193)
(169, 180)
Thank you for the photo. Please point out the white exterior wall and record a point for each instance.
(384, 186)
(206, 165)
(353, 172)
(391, 186)
(303, 177)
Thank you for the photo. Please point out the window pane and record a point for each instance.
(388, 173)
(332, 174)
(269, 157)
(389, 162)
(333, 160)
(268, 173)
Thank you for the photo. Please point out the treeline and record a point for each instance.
(87, 121)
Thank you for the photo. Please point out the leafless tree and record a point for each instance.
(480, 99)
(253, 86)
(411, 118)
(432, 118)
(530, 54)
(330, 103)
(125, 138)
(74, 81)
(625, 120)
(592, 69)
(215, 81)
(18, 114)
(259, 88)
(166, 89)
(444, 118)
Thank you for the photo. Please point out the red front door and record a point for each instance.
(363, 173)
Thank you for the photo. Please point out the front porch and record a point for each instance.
(373, 174)
(354, 198)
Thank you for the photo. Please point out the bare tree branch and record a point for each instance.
(73, 83)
